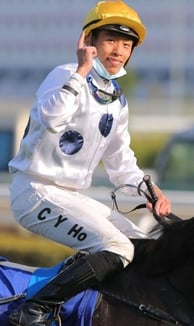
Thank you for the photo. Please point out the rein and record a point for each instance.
(147, 310)
(151, 197)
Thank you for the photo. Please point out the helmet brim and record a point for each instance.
(138, 28)
(122, 29)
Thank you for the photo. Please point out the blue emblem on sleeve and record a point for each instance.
(71, 142)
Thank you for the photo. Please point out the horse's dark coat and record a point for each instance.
(161, 275)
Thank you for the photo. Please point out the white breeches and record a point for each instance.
(71, 218)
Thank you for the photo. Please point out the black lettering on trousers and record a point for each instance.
(75, 231)
(41, 215)
(60, 220)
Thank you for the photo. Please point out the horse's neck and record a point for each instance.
(182, 280)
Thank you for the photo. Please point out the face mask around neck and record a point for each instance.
(98, 66)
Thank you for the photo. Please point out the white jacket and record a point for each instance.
(69, 135)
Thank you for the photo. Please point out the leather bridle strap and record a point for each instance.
(148, 310)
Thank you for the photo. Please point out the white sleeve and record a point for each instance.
(56, 105)
(119, 159)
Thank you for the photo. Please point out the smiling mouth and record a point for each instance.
(114, 62)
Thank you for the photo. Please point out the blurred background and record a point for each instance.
(37, 35)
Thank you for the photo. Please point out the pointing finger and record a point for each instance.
(80, 43)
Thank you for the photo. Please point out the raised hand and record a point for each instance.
(85, 55)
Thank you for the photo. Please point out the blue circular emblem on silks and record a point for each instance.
(71, 142)
(105, 124)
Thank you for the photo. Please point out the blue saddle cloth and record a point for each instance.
(77, 311)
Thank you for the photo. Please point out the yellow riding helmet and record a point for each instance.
(114, 12)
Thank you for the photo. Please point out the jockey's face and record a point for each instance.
(114, 50)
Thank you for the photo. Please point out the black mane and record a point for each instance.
(173, 248)
(160, 275)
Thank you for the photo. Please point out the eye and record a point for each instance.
(127, 45)
(110, 40)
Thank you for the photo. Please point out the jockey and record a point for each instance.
(79, 118)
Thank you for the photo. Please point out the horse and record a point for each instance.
(157, 288)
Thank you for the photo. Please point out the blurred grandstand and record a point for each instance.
(36, 35)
